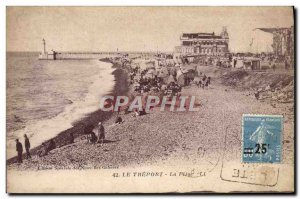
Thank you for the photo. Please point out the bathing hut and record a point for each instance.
(252, 63)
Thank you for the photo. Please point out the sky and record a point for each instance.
(134, 28)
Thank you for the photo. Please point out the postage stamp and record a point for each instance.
(262, 138)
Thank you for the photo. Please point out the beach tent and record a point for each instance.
(178, 73)
(163, 72)
(191, 68)
(173, 71)
(177, 59)
(189, 71)
(170, 79)
(156, 63)
(180, 79)
(137, 77)
(196, 80)
(169, 61)
(136, 85)
(163, 87)
(151, 73)
(177, 65)
(142, 63)
(150, 64)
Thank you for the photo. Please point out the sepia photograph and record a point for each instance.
(169, 99)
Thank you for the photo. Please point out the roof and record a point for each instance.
(272, 30)
(200, 35)
(252, 59)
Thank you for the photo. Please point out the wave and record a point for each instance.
(42, 130)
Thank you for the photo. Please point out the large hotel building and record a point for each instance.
(203, 43)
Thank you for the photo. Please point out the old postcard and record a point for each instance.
(150, 99)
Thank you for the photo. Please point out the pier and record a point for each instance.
(76, 55)
(55, 55)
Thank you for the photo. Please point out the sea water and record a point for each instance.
(44, 97)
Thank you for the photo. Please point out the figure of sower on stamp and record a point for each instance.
(262, 139)
(259, 136)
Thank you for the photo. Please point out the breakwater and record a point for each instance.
(77, 55)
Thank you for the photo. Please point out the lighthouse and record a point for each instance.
(44, 54)
(44, 45)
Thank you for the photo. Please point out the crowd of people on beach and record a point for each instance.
(167, 79)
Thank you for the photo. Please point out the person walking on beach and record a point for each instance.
(286, 65)
(208, 80)
(118, 120)
(100, 134)
(274, 66)
(27, 147)
(51, 145)
(206, 83)
(234, 63)
(19, 149)
(71, 138)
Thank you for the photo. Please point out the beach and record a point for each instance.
(166, 138)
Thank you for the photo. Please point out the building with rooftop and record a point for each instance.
(283, 40)
(204, 44)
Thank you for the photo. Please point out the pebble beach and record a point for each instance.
(168, 137)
